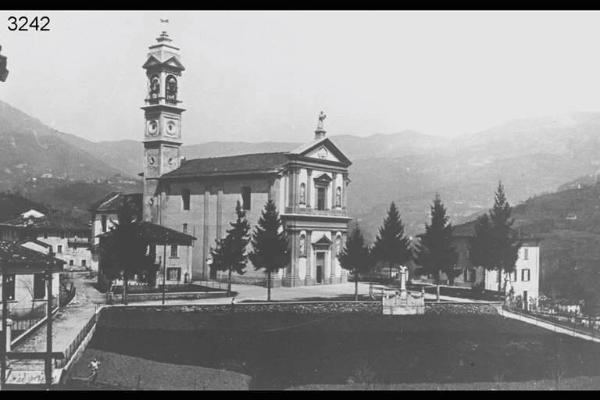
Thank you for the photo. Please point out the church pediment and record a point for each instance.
(323, 149)
(323, 179)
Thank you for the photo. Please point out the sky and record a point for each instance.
(265, 75)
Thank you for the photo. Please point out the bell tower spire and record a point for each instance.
(162, 112)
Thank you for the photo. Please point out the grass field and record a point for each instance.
(290, 350)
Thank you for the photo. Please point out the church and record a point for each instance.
(198, 197)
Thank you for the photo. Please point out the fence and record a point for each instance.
(24, 318)
(70, 350)
(584, 325)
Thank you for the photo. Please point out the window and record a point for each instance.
(103, 222)
(39, 286)
(525, 275)
(185, 197)
(173, 274)
(513, 276)
(154, 87)
(10, 286)
(173, 251)
(59, 249)
(171, 91)
(184, 228)
(320, 198)
(302, 193)
(83, 263)
(246, 197)
(525, 253)
(71, 262)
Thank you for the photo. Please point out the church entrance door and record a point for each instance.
(320, 266)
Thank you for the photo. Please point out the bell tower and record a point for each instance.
(162, 137)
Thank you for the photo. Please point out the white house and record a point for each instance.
(523, 282)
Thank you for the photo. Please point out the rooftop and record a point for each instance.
(230, 165)
(158, 234)
(14, 258)
(53, 222)
(468, 230)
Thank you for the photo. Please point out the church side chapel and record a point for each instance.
(198, 197)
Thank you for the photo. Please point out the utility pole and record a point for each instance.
(48, 360)
(164, 288)
(4, 328)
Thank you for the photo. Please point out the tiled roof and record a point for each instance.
(115, 200)
(158, 234)
(468, 230)
(230, 165)
(12, 254)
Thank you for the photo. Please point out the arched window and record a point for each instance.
(338, 197)
(154, 87)
(185, 197)
(302, 193)
(171, 89)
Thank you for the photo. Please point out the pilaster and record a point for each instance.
(205, 243)
(309, 184)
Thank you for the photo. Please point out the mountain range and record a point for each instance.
(530, 156)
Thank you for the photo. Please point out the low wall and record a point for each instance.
(462, 308)
(140, 297)
(181, 317)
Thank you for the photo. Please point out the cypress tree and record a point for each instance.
(269, 244)
(496, 245)
(230, 252)
(435, 252)
(354, 257)
(392, 247)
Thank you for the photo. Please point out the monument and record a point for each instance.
(403, 302)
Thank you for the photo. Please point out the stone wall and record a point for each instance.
(177, 317)
(462, 308)
(135, 297)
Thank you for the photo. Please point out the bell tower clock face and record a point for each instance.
(171, 128)
(152, 127)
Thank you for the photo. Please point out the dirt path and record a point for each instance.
(67, 323)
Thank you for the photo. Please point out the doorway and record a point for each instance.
(320, 266)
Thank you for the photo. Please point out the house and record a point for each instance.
(171, 251)
(105, 214)
(308, 186)
(524, 281)
(67, 239)
(23, 268)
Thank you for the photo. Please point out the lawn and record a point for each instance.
(280, 350)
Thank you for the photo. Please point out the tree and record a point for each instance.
(481, 248)
(435, 252)
(269, 244)
(354, 257)
(125, 251)
(496, 245)
(392, 247)
(230, 252)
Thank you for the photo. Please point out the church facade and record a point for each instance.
(198, 197)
